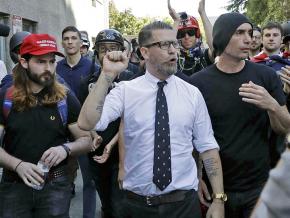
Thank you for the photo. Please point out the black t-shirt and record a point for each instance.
(92, 78)
(107, 136)
(240, 128)
(30, 133)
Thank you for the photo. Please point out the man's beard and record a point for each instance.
(167, 69)
(46, 79)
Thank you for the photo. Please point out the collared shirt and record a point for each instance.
(3, 70)
(189, 124)
(73, 76)
(29, 133)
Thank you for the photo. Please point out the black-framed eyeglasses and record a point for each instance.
(165, 45)
(182, 33)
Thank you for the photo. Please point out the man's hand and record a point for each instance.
(30, 174)
(114, 62)
(53, 156)
(201, 6)
(97, 140)
(216, 209)
(257, 95)
(172, 12)
(203, 193)
(105, 156)
(285, 77)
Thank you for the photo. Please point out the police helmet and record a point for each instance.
(109, 35)
(15, 42)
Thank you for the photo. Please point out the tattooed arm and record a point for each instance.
(213, 168)
(203, 193)
(113, 63)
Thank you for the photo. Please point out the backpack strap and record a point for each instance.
(7, 102)
(63, 110)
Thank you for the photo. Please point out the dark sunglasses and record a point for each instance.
(182, 33)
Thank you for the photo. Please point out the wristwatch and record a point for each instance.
(221, 196)
(67, 149)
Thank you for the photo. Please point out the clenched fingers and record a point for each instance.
(115, 56)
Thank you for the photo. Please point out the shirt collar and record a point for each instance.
(154, 80)
(79, 64)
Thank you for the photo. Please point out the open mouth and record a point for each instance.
(173, 60)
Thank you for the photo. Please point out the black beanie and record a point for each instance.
(223, 29)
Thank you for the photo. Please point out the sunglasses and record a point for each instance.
(181, 33)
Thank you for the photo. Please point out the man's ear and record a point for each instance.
(144, 52)
(24, 63)
(62, 43)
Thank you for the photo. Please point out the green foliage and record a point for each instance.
(256, 11)
(168, 20)
(126, 22)
(236, 5)
(262, 11)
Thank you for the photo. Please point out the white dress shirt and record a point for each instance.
(189, 124)
(3, 71)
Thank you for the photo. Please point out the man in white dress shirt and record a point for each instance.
(3, 70)
(164, 119)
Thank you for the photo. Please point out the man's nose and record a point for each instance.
(49, 67)
(248, 38)
(271, 37)
(171, 49)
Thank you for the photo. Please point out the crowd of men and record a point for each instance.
(165, 125)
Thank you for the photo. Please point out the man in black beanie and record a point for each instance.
(243, 99)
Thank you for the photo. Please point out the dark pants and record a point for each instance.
(106, 180)
(19, 200)
(89, 189)
(241, 204)
(187, 208)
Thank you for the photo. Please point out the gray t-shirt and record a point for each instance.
(275, 197)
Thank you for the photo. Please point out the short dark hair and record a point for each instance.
(257, 28)
(71, 29)
(272, 25)
(27, 57)
(145, 34)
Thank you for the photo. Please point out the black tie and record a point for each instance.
(162, 154)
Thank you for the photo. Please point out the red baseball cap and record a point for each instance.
(39, 44)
